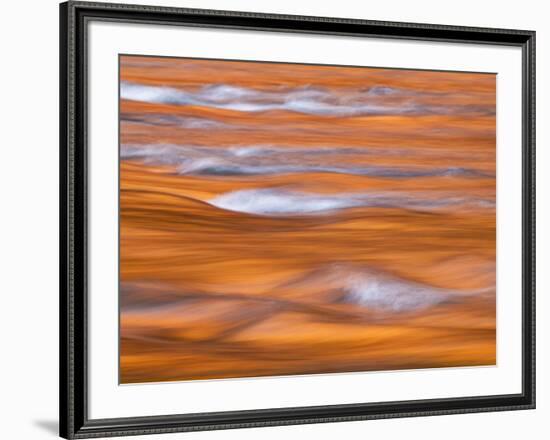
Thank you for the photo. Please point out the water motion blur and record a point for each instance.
(282, 219)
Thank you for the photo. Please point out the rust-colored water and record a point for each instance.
(295, 219)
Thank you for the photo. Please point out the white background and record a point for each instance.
(28, 240)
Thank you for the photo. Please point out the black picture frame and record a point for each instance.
(74, 420)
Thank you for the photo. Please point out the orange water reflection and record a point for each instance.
(291, 219)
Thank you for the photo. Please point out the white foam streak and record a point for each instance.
(270, 160)
(390, 293)
(305, 100)
(266, 201)
(375, 290)
(278, 202)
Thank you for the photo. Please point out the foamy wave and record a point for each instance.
(154, 154)
(307, 100)
(284, 202)
(266, 201)
(378, 291)
(373, 289)
(268, 160)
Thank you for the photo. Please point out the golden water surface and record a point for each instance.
(293, 219)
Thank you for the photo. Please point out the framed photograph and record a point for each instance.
(272, 220)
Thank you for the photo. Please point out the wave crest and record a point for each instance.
(272, 201)
(268, 201)
(373, 289)
(390, 293)
(269, 160)
(307, 100)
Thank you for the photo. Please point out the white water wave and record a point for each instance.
(270, 160)
(193, 123)
(391, 293)
(377, 290)
(280, 202)
(306, 100)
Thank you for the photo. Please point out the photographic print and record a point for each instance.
(289, 219)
